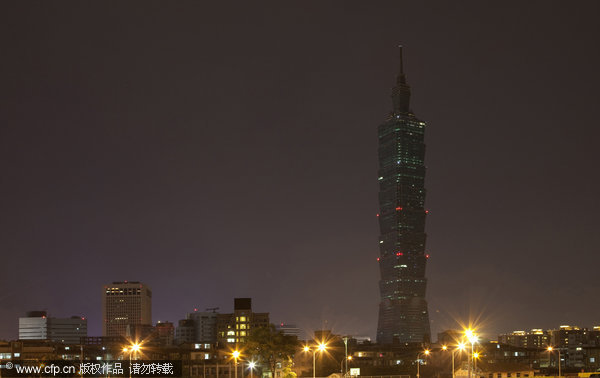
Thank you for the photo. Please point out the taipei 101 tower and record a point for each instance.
(403, 315)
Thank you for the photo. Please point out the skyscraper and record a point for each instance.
(125, 307)
(403, 316)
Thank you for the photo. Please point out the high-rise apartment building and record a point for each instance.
(125, 305)
(403, 314)
(235, 328)
(205, 326)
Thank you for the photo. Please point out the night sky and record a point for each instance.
(227, 150)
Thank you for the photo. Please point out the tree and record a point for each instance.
(271, 346)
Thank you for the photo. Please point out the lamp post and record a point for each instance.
(251, 366)
(444, 348)
(550, 349)
(236, 355)
(320, 348)
(134, 348)
(425, 352)
(125, 350)
(346, 355)
(459, 348)
(348, 358)
(472, 337)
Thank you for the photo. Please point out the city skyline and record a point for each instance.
(217, 152)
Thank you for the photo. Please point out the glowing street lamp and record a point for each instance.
(472, 337)
(475, 357)
(426, 353)
(459, 348)
(133, 348)
(348, 358)
(320, 348)
(235, 354)
(550, 349)
(251, 366)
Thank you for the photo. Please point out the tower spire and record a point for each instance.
(401, 92)
(401, 65)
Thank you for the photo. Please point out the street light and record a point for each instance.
(475, 357)
(550, 349)
(236, 355)
(320, 348)
(348, 358)
(346, 355)
(472, 337)
(425, 352)
(251, 366)
(133, 348)
(459, 348)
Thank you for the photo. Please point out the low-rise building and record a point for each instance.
(38, 326)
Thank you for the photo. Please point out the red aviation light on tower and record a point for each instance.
(399, 254)
(399, 208)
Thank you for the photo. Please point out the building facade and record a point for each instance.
(125, 305)
(37, 326)
(288, 329)
(165, 333)
(536, 338)
(185, 332)
(235, 328)
(205, 325)
(403, 314)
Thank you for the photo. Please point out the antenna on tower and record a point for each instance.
(401, 66)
